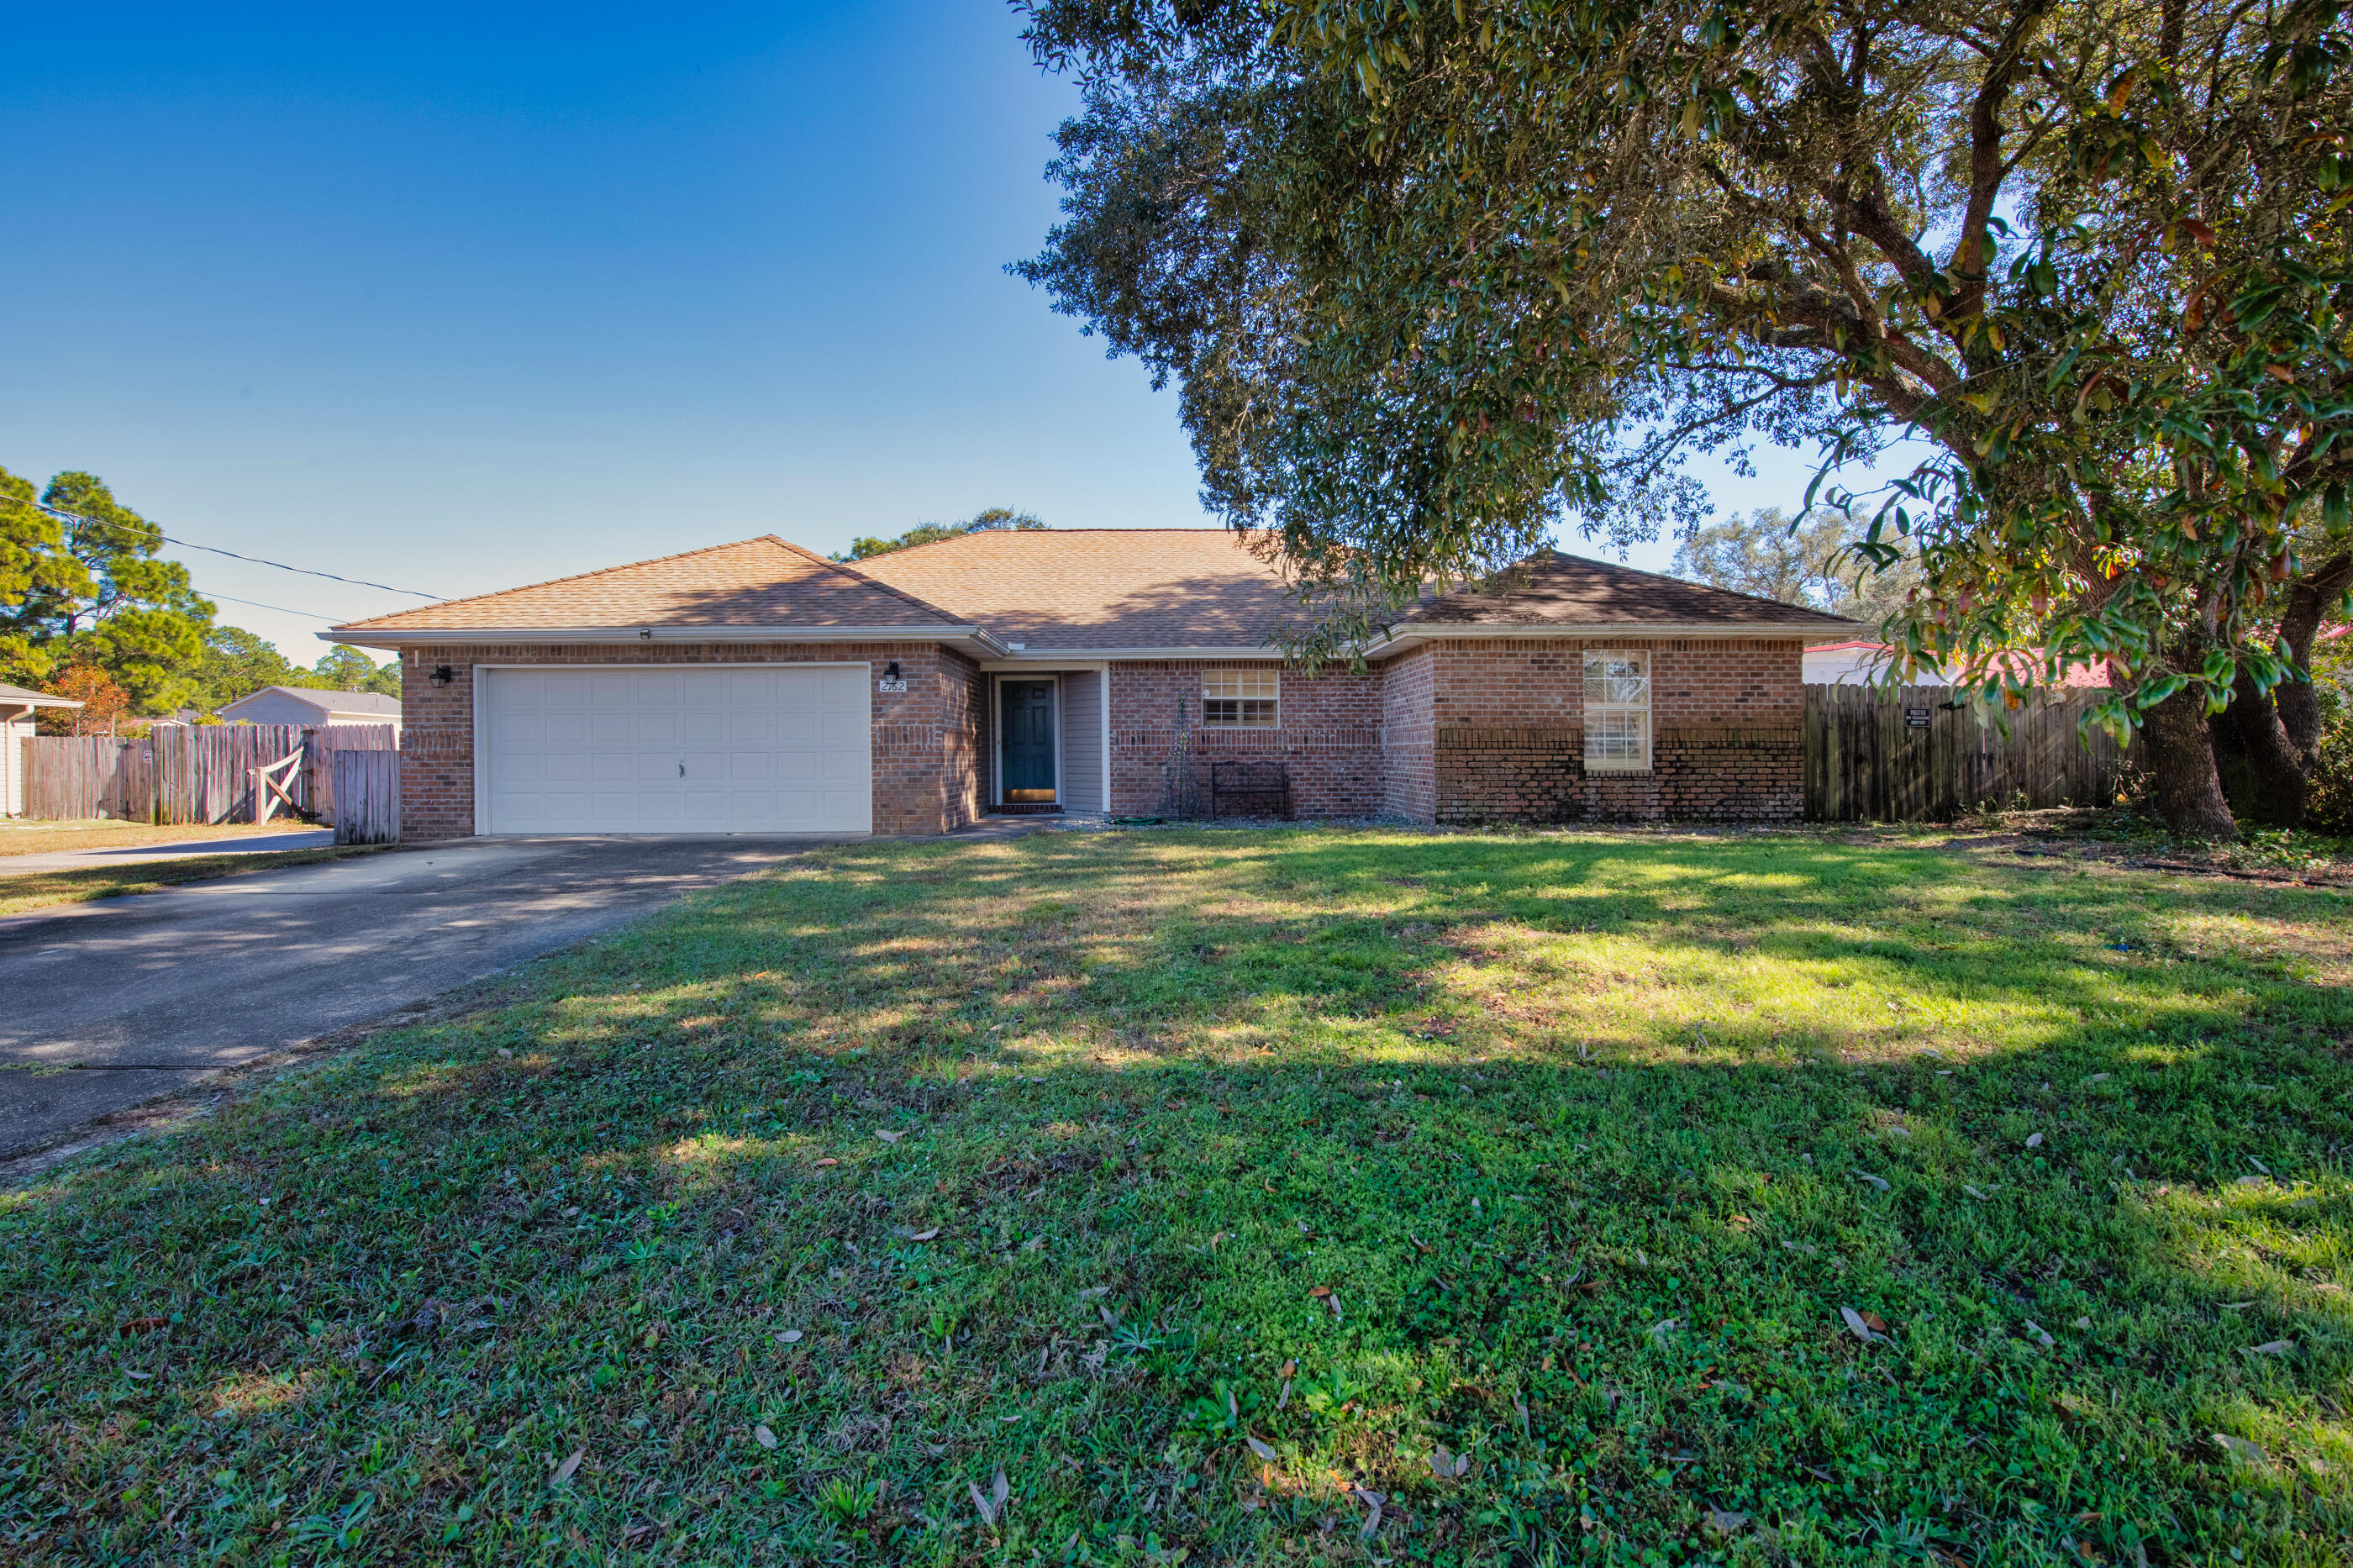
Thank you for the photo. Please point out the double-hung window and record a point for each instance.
(1617, 711)
(1239, 698)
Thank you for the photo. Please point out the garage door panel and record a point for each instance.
(781, 748)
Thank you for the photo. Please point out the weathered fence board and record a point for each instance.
(1918, 753)
(188, 774)
(367, 797)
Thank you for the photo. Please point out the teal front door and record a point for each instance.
(1027, 713)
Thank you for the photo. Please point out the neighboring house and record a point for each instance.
(302, 705)
(17, 708)
(756, 687)
(1873, 663)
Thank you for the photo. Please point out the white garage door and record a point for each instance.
(765, 749)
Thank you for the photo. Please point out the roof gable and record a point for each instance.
(763, 582)
(1555, 589)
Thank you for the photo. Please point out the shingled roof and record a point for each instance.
(1553, 589)
(1099, 587)
(763, 582)
(1112, 590)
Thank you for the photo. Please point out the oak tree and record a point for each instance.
(1436, 278)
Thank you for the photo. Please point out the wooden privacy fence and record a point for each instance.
(367, 797)
(192, 774)
(1918, 753)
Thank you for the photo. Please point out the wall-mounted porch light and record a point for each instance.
(440, 675)
(891, 673)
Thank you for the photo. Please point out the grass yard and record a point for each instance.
(20, 836)
(39, 889)
(1272, 1197)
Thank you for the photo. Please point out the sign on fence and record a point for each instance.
(1922, 754)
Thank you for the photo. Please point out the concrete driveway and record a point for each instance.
(140, 997)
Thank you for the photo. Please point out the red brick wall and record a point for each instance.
(1328, 736)
(1410, 735)
(923, 746)
(1726, 720)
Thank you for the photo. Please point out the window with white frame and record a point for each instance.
(1239, 698)
(1616, 710)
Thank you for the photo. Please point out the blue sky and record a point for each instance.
(459, 298)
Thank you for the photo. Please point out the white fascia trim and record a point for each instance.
(503, 635)
(1085, 658)
(1413, 637)
(1039, 664)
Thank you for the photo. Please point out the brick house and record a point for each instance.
(755, 687)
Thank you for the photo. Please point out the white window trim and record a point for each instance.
(1593, 764)
(1273, 723)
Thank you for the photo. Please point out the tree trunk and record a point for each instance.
(2181, 769)
(2307, 602)
(2264, 776)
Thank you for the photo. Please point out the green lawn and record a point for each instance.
(1257, 1196)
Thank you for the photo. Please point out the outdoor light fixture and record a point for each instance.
(891, 673)
(646, 634)
(440, 675)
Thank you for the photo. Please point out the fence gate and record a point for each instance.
(184, 773)
(1923, 754)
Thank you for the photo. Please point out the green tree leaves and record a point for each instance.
(80, 582)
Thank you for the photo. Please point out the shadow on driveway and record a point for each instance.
(114, 1002)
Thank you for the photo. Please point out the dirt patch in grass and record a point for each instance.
(1255, 1196)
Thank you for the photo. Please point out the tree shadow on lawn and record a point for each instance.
(1553, 1126)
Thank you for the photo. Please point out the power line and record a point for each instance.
(256, 604)
(214, 549)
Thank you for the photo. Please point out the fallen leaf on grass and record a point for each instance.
(2274, 1347)
(993, 1504)
(1418, 1245)
(1449, 1466)
(761, 1435)
(1261, 1449)
(789, 1337)
(925, 1235)
(1320, 1292)
(1092, 1291)
(563, 1471)
(1724, 1520)
(1879, 1182)
(821, 1164)
(141, 1376)
(2036, 1330)
(1861, 1325)
(889, 1137)
(2243, 1449)
(1973, 1192)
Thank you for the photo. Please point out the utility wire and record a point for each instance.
(329, 620)
(187, 545)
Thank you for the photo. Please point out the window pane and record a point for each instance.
(1246, 699)
(1618, 677)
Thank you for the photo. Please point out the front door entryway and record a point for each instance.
(1026, 710)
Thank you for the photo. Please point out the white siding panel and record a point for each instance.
(1082, 717)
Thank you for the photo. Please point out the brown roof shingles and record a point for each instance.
(1553, 589)
(763, 582)
(1098, 589)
